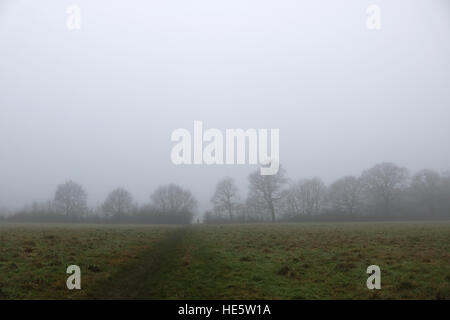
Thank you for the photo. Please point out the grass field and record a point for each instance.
(34, 258)
(259, 261)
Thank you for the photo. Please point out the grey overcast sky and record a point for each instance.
(98, 105)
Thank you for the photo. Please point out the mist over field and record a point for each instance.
(98, 105)
(252, 150)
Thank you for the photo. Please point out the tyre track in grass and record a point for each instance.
(141, 279)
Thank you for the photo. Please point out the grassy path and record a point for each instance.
(311, 261)
(142, 279)
(34, 257)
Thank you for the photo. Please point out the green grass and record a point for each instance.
(34, 258)
(257, 261)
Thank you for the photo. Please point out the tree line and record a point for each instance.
(169, 204)
(384, 192)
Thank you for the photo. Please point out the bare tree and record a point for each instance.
(267, 189)
(226, 197)
(345, 195)
(118, 203)
(255, 209)
(308, 196)
(425, 189)
(71, 199)
(382, 184)
(173, 199)
(290, 205)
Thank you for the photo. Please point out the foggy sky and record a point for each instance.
(98, 105)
